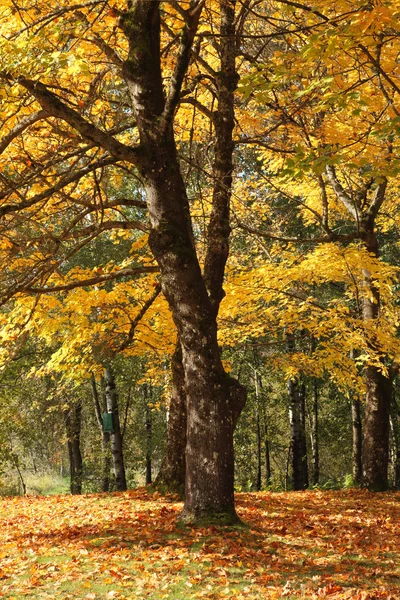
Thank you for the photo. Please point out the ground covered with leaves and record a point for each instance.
(336, 545)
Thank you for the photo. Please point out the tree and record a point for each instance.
(214, 400)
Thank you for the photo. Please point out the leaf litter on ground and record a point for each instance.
(342, 545)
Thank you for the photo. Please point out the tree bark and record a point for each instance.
(377, 402)
(116, 437)
(172, 473)
(214, 400)
(73, 420)
(303, 438)
(149, 434)
(314, 434)
(217, 239)
(357, 440)
(298, 448)
(258, 430)
(395, 420)
(105, 438)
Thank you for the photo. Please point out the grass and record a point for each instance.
(308, 545)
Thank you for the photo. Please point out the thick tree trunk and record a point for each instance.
(217, 234)
(172, 472)
(116, 437)
(105, 438)
(213, 400)
(357, 440)
(73, 420)
(314, 434)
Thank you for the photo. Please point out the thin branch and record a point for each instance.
(90, 280)
(135, 322)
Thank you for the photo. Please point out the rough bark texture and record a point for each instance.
(172, 472)
(213, 400)
(73, 419)
(116, 437)
(357, 440)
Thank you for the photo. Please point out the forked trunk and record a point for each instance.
(213, 400)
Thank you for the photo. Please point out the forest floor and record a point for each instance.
(311, 545)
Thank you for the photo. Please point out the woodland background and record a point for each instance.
(309, 322)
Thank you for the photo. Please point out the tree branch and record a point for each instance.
(90, 281)
(59, 109)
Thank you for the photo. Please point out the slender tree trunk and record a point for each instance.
(314, 433)
(172, 472)
(149, 433)
(73, 420)
(116, 437)
(298, 457)
(357, 440)
(105, 439)
(303, 437)
(267, 457)
(377, 402)
(268, 472)
(296, 394)
(258, 430)
(395, 425)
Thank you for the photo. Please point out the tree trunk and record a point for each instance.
(105, 439)
(314, 437)
(149, 434)
(299, 472)
(258, 431)
(377, 402)
(268, 473)
(172, 472)
(296, 393)
(214, 400)
(376, 424)
(357, 440)
(73, 420)
(217, 246)
(395, 424)
(116, 437)
(303, 438)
